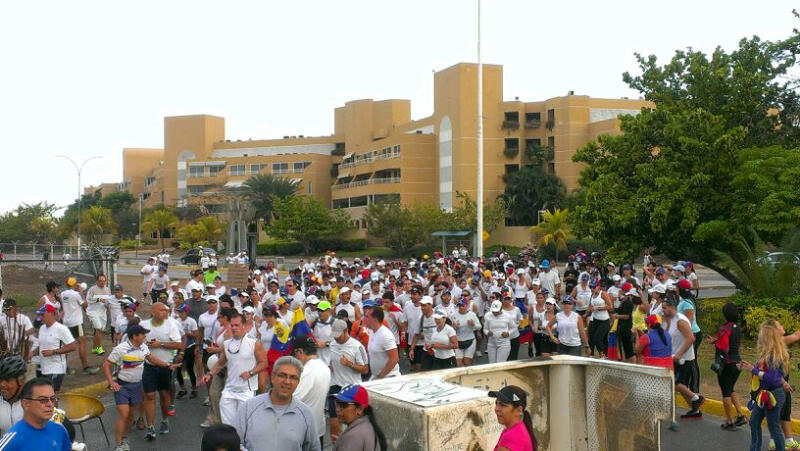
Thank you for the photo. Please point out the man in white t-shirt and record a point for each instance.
(148, 271)
(315, 380)
(55, 341)
(383, 355)
(97, 311)
(158, 283)
(15, 326)
(349, 361)
(72, 303)
(196, 283)
(549, 279)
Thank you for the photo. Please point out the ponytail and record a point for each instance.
(526, 419)
(379, 437)
(660, 331)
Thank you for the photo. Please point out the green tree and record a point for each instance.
(210, 229)
(529, 190)
(117, 202)
(403, 228)
(263, 191)
(464, 216)
(553, 229)
(69, 221)
(96, 221)
(306, 220)
(160, 222)
(29, 223)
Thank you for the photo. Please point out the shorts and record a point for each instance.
(786, 410)
(727, 379)
(129, 394)
(419, 353)
(683, 372)
(543, 344)
(468, 353)
(98, 320)
(57, 380)
(76, 331)
(570, 350)
(332, 401)
(155, 378)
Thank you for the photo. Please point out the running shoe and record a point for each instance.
(696, 405)
(171, 410)
(126, 445)
(98, 350)
(151, 434)
(164, 428)
(729, 426)
(119, 448)
(181, 394)
(140, 424)
(193, 394)
(479, 354)
(206, 401)
(771, 446)
(740, 420)
(91, 370)
(205, 425)
(693, 414)
(792, 444)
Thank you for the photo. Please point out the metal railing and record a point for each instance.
(370, 159)
(383, 180)
(372, 181)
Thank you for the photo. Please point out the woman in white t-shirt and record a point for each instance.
(497, 327)
(571, 332)
(466, 323)
(515, 315)
(582, 294)
(599, 307)
(443, 343)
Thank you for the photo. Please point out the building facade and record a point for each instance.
(377, 153)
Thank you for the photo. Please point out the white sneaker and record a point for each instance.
(479, 354)
(206, 401)
(771, 446)
(205, 425)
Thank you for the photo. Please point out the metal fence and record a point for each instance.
(23, 251)
(94, 260)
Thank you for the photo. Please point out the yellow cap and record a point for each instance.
(71, 281)
(487, 273)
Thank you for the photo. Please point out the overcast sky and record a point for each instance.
(86, 78)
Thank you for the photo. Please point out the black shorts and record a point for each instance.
(727, 379)
(332, 401)
(786, 410)
(56, 379)
(543, 344)
(419, 352)
(76, 331)
(683, 373)
(155, 378)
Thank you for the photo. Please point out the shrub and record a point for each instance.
(128, 244)
(340, 244)
(709, 314)
(512, 250)
(754, 316)
(279, 247)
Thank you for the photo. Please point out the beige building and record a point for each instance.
(378, 153)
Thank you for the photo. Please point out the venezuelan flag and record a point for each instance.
(282, 341)
(525, 331)
(613, 350)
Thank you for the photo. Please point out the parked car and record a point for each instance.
(780, 258)
(192, 256)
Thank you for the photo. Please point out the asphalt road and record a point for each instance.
(692, 435)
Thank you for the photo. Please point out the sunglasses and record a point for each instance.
(43, 401)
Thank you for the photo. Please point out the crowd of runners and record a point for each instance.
(303, 340)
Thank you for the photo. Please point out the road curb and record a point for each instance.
(97, 389)
(716, 408)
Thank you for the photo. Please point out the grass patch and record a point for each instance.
(373, 252)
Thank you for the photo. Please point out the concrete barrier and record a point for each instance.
(575, 403)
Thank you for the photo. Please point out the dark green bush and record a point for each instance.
(279, 247)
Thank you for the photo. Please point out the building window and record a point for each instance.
(551, 119)
(341, 203)
(511, 121)
(238, 169)
(214, 170)
(196, 189)
(197, 171)
(533, 120)
(512, 168)
(299, 166)
(256, 168)
(551, 142)
(396, 149)
(308, 188)
(280, 168)
(360, 201)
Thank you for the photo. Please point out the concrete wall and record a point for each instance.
(575, 403)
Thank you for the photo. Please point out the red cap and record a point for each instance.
(627, 286)
(652, 320)
(684, 284)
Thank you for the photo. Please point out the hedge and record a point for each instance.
(288, 247)
(752, 312)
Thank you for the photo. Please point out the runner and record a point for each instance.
(55, 341)
(163, 338)
(571, 331)
(73, 304)
(443, 342)
(190, 330)
(382, 350)
(497, 326)
(315, 381)
(466, 323)
(680, 330)
(349, 363)
(96, 310)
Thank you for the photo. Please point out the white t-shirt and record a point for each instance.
(130, 360)
(413, 313)
(315, 380)
(73, 312)
(461, 324)
(394, 319)
(442, 337)
(322, 332)
(11, 328)
(160, 282)
(188, 328)
(168, 331)
(52, 338)
(549, 280)
(122, 323)
(148, 271)
(354, 351)
(516, 317)
(193, 284)
(382, 340)
(208, 321)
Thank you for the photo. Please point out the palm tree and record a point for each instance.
(96, 221)
(160, 222)
(554, 229)
(209, 229)
(263, 189)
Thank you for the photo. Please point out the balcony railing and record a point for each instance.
(382, 180)
(388, 156)
(373, 181)
(533, 124)
(369, 159)
(510, 125)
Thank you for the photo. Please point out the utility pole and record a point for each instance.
(79, 169)
(479, 233)
(139, 236)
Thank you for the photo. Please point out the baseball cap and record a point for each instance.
(8, 303)
(174, 283)
(344, 290)
(212, 298)
(185, 308)
(426, 300)
(627, 286)
(545, 264)
(367, 304)
(679, 267)
(312, 299)
(568, 300)
(658, 288)
(611, 264)
(71, 281)
(510, 394)
(47, 308)
(439, 314)
(550, 301)
(660, 271)
(338, 327)
(303, 342)
(684, 284)
(324, 305)
(592, 283)
(616, 278)
(416, 290)
(537, 282)
(496, 306)
(249, 309)
(353, 394)
(652, 320)
(632, 292)
(462, 301)
(520, 271)
(118, 287)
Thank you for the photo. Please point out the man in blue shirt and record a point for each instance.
(35, 430)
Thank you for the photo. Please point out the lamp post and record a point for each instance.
(479, 134)
(139, 236)
(79, 169)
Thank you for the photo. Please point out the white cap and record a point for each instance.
(212, 297)
(632, 292)
(257, 272)
(83, 286)
(311, 299)
(531, 264)
(381, 263)
(537, 282)
(679, 267)
(249, 309)
(174, 283)
(496, 306)
(520, 271)
(439, 314)
(366, 291)
(344, 290)
(658, 288)
(550, 300)
(426, 300)
(616, 278)
(244, 294)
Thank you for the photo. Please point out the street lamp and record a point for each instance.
(479, 134)
(79, 169)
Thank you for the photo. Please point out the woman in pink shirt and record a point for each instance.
(511, 412)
